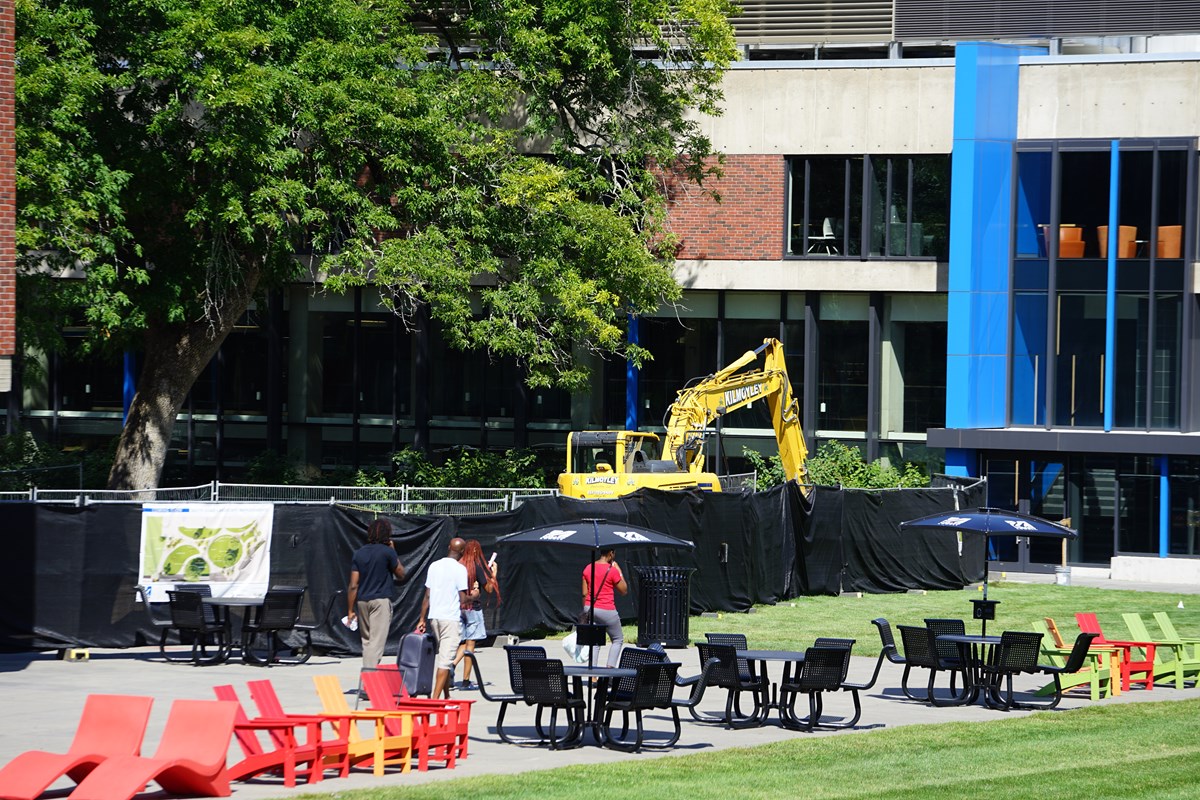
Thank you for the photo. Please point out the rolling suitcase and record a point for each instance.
(415, 660)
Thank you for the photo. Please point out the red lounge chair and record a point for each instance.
(190, 758)
(287, 752)
(439, 726)
(111, 725)
(1131, 663)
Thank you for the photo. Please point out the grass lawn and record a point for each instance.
(1128, 751)
(793, 624)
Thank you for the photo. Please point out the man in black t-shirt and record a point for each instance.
(369, 597)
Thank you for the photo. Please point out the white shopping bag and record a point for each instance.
(578, 654)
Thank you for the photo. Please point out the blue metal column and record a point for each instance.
(631, 380)
(1164, 506)
(1110, 293)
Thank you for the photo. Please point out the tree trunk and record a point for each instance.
(175, 356)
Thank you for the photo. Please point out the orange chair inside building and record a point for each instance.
(1126, 241)
(1070, 241)
(1170, 241)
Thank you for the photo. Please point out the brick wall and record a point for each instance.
(748, 222)
(8, 188)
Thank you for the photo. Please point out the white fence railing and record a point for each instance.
(440, 500)
(433, 500)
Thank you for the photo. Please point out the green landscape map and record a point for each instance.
(175, 553)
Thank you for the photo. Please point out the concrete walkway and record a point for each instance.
(43, 697)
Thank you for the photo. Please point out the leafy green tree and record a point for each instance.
(471, 468)
(835, 464)
(174, 157)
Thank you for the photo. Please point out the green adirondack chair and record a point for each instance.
(1095, 674)
(1169, 633)
(1170, 655)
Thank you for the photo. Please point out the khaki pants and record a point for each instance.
(374, 624)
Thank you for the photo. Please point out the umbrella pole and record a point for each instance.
(983, 632)
(592, 592)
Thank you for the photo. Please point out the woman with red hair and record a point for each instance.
(481, 575)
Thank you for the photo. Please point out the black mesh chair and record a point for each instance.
(738, 642)
(652, 688)
(1016, 654)
(949, 658)
(211, 615)
(822, 670)
(622, 689)
(888, 642)
(918, 653)
(727, 675)
(545, 686)
(278, 615)
(517, 654)
(188, 617)
(1074, 662)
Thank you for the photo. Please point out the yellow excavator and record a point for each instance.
(607, 464)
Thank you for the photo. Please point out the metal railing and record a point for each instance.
(433, 500)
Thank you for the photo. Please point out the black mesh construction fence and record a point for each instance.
(71, 571)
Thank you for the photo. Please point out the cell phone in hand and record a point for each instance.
(492, 560)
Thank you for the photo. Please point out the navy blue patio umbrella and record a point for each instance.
(597, 535)
(989, 522)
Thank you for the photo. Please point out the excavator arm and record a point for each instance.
(697, 406)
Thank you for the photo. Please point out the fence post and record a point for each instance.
(214, 491)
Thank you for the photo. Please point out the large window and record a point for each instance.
(1066, 207)
(891, 207)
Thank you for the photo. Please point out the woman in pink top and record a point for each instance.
(608, 579)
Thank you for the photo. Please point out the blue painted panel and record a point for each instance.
(991, 380)
(961, 463)
(958, 315)
(957, 402)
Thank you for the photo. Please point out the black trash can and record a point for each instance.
(664, 598)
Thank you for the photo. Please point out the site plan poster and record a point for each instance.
(225, 545)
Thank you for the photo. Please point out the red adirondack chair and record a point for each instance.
(439, 730)
(190, 758)
(287, 751)
(1131, 663)
(111, 725)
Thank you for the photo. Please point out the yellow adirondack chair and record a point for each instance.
(381, 747)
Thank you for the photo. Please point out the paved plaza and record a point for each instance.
(43, 697)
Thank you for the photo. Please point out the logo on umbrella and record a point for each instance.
(953, 522)
(557, 535)
(1020, 524)
(631, 536)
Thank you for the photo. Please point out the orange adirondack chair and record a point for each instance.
(1131, 663)
(111, 725)
(287, 751)
(190, 758)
